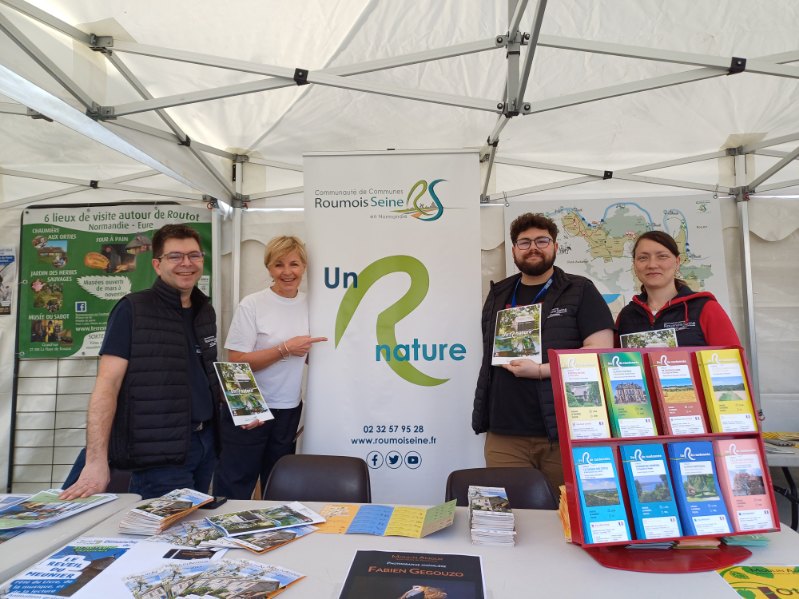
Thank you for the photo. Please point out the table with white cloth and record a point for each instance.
(541, 564)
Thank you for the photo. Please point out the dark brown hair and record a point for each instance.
(172, 232)
(528, 220)
(667, 241)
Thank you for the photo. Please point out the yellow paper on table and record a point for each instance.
(338, 517)
(762, 582)
(417, 522)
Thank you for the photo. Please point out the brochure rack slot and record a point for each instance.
(627, 554)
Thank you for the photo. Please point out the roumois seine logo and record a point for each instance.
(400, 357)
(416, 206)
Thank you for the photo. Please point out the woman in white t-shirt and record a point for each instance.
(270, 332)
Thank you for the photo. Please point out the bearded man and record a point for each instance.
(513, 402)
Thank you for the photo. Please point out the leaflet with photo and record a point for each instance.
(271, 518)
(659, 338)
(242, 395)
(45, 508)
(156, 515)
(517, 334)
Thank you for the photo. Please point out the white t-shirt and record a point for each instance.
(265, 319)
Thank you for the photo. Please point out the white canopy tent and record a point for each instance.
(107, 101)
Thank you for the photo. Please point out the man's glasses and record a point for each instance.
(540, 242)
(177, 257)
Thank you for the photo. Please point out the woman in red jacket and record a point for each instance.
(667, 302)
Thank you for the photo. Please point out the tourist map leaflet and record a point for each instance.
(585, 400)
(517, 334)
(45, 508)
(762, 582)
(271, 518)
(658, 338)
(696, 487)
(654, 510)
(387, 520)
(402, 575)
(604, 517)
(729, 402)
(243, 397)
(675, 389)
(156, 515)
(68, 570)
(629, 405)
(742, 485)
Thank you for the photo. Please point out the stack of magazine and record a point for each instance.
(158, 514)
(490, 517)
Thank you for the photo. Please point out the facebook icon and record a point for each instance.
(374, 459)
(81, 307)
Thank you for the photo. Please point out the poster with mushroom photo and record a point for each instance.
(76, 263)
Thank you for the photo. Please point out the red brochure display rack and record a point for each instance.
(633, 555)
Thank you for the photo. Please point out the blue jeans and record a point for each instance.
(195, 474)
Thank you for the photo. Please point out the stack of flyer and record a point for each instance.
(490, 517)
(45, 508)
(158, 514)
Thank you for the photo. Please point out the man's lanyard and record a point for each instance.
(538, 296)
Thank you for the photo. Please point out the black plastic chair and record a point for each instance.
(527, 488)
(307, 477)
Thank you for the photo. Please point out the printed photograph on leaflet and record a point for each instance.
(68, 570)
(517, 334)
(675, 388)
(243, 397)
(76, 263)
(402, 575)
(660, 338)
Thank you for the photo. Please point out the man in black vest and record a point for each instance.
(513, 403)
(153, 406)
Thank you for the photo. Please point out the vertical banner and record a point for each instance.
(394, 284)
(76, 263)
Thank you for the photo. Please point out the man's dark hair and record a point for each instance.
(172, 232)
(528, 220)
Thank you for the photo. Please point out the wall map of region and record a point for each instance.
(596, 239)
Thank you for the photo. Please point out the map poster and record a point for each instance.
(76, 263)
(596, 237)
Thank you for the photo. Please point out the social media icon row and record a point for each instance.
(394, 459)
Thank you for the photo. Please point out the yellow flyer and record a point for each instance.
(585, 399)
(762, 582)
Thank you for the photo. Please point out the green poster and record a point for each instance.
(76, 263)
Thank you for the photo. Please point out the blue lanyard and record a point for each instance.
(538, 296)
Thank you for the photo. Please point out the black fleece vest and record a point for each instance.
(152, 424)
(559, 331)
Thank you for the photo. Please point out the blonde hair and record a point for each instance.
(283, 245)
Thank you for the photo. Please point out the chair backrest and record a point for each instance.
(527, 488)
(307, 477)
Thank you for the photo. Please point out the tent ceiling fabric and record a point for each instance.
(280, 125)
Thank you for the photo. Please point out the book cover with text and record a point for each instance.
(629, 404)
(584, 396)
(743, 485)
(696, 488)
(604, 516)
(652, 503)
(676, 394)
